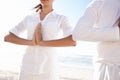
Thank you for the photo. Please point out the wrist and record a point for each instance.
(30, 42)
(41, 43)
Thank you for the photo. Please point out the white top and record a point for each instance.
(99, 23)
(39, 59)
(51, 25)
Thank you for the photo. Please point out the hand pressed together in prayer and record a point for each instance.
(37, 34)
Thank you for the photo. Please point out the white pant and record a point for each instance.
(107, 72)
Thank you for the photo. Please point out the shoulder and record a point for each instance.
(61, 16)
(95, 3)
(31, 15)
(95, 6)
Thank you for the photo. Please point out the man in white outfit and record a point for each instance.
(99, 23)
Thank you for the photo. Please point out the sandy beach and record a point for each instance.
(65, 72)
(76, 73)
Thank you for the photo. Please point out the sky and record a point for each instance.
(12, 11)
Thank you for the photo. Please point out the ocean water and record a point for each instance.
(76, 67)
(76, 60)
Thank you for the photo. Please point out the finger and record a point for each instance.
(39, 26)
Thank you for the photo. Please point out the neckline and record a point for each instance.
(45, 16)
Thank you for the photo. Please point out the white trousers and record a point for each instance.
(105, 71)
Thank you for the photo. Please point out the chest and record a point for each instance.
(50, 26)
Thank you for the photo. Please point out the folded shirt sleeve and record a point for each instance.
(67, 28)
(20, 27)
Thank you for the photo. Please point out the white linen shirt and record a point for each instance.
(51, 26)
(40, 59)
(99, 23)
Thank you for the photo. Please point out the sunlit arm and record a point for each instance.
(17, 40)
(63, 42)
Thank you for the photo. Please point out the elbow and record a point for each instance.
(74, 43)
(9, 37)
(6, 38)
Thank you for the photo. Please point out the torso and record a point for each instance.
(108, 15)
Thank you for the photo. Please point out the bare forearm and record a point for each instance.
(64, 42)
(17, 40)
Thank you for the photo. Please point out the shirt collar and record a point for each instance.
(52, 13)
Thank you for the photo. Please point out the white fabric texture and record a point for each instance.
(39, 63)
(100, 24)
(107, 72)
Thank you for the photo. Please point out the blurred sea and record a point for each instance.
(77, 60)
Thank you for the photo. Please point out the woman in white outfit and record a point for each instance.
(39, 62)
(99, 23)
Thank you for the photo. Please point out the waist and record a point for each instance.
(108, 47)
(109, 52)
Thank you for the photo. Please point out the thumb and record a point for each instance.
(39, 26)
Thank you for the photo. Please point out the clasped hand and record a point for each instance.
(37, 37)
